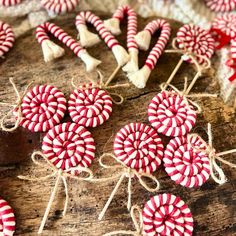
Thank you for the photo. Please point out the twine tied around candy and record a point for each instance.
(16, 107)
(60, 175)
(185, 94)
(187, 55)
(137, 221)
(124, 172)
(216, 171)
(105, 86)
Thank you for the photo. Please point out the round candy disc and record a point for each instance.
(186, 165)
(42, 108)
(7, 219)
(171, 115)
(196, 40)
(221, 5)
(226, 23)
(166, 214)
(69, 145)
(7, 38)
(8, 3)
(59, 6)
(139, 147)
(90, 107)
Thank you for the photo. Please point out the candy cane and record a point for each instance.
(113, 25)
(119, 52)
(7, 38)
(52, 50)
(143, 39)
(7, 3)
(221, 5)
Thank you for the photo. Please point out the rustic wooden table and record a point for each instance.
(213, 206)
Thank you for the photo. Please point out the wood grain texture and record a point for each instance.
(213, 206)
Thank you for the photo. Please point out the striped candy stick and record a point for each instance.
(143, 39)
(52, 50)
(8, 3)
(113, 25)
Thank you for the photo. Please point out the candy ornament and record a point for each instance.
(7, 219)
(143, 39)
(7, 38)
(52, 51)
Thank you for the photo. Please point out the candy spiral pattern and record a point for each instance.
(7, 38)
(171, 115)
(221, 5)
(69, 145)
(186, 165)
(90, 107)
(42, 108)
(166, 214)
(139, 147)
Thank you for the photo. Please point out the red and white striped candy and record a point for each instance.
(59, 7)
(42, 108)
(171, 115)
(221, 5)
(226, 23)
(7, 219)
(196, 40)
(7, 38)
(90, 107)
(166, 214)
(8, 3)
(119, 52)
(140, 77)
(186, 165)
(69, 145)
(139, 147)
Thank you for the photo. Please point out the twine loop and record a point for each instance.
(216, 171)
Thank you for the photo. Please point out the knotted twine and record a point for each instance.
(60, 175)
(137, 221)
(216, 171)
(187, 55)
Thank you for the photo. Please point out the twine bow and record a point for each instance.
(138, 224)
(61, 174)
(186, 96)
(105, 86)
(216, 171)
(124, 172)
(16, 107)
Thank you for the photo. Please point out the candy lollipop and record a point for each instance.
(197, 46)
(7, 219)
(68, 150)
(59, 7)
(113, 25)
(221, 5)
(143, 39)
(139, 151)
(52, 51)
(7, 38)
(8, 3)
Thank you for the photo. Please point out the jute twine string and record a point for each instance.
(136, 216)
(105, 86)
(193, 57)
(185, 94)
(216, 171)
(16, 107)
(60, 174)
(124, 172)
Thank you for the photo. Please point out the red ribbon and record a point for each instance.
(220, 37)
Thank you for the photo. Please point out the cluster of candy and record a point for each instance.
(69, 149)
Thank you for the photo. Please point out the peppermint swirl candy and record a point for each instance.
(196, 40)
(185, 164)
(7, 219)
(170, 114)
(221, 5)
(226, 23)
(90, 107)
(138, 146)
(166, 214)
(69, 145)
(42, 108)
(7, 38)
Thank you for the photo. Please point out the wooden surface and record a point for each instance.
(213, 206)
